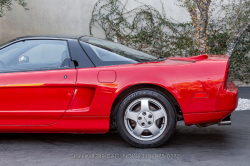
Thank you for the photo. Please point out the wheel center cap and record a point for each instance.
(145, 119)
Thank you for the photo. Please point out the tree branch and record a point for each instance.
(237, 38)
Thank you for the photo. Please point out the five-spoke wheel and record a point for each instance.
(146, 118)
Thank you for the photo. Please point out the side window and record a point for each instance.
(9, 50)
(34, 55)
(106, 55)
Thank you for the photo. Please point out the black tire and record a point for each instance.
(170, 114)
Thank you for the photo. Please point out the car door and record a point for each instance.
(37, 82)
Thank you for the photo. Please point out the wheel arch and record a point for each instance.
(138, 87)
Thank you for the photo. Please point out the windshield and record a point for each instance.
(3, 44)
(118, 50)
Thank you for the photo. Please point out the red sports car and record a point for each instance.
(52, 84)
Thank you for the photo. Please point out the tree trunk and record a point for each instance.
(194, 17)
(236, 39)
(203, 6)
(203, 34)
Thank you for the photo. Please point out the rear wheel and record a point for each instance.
(146, 119)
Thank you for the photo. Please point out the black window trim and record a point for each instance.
(79, 55)
(40, 69)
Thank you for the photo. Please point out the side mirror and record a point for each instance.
(23, 59)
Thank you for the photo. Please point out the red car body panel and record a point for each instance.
(35, 98)
(198, 84)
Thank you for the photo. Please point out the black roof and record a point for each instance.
(65, 37)
(48, 37)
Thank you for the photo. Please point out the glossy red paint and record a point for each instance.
(35, 98)
(194, 58)
(89, 98)
(107, 76)
(72, 124)
(200, 118)
(227, 99)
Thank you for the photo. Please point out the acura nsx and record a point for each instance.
(56, 84)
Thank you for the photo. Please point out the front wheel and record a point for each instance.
(146, 119)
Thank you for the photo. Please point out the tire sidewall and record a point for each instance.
(171, 118)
